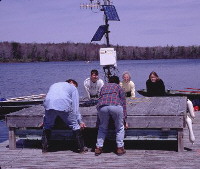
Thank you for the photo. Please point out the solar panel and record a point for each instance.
(99, 33)
(110, 12)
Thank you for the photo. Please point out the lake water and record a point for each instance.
(21, 79)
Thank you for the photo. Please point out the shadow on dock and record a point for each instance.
(109, 145)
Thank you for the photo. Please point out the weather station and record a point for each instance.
(108, 56)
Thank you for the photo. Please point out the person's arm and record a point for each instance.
(123, 99)
(148, 87)
(75, 105)
(101, 83)
(162, 87)
(132, 89)
(121, 84)
(86, 85)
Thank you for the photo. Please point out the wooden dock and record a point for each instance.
(140, 153)
(152, 118)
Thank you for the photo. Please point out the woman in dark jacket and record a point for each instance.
(155, 86)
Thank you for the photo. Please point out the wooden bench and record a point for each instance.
(153, 118)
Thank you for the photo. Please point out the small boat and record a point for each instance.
(190, 94)
(18, 103)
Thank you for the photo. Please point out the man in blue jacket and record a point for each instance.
(62, 100)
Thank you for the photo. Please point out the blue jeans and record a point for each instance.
(68, 117)
(116, 112)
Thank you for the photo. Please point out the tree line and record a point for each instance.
(47, 52)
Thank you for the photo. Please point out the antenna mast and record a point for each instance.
(108, 57)
(107, 2)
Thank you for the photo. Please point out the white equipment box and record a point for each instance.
(108, 56)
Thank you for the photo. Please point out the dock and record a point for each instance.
(142, 153)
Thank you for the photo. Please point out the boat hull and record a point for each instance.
(15, 104)
(12, 106)
(189, 94)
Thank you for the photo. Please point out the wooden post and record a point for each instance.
(180, 140)
(12, 138)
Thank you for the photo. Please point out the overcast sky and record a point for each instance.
(142, 22)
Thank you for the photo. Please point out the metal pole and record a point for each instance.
(107, 32)
(107, 2)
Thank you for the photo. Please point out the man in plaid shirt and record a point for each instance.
(112, 102)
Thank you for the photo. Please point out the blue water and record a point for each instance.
(21, 79)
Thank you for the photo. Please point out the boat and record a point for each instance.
(18, 103)
(192, 95)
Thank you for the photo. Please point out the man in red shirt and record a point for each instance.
(112, 102)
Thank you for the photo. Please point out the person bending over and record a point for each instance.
(62, 100)
(112, 102)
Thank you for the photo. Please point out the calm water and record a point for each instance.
(21, 79)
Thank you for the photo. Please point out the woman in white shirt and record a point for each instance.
(127, 84)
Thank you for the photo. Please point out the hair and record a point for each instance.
(72, 81)
(114, 79)
(155, 74)
(94, 71)
(126, 72)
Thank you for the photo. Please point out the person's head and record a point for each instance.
(153, 76)
(94, 75)
(73, 82)
(114, 79)
(126, 76)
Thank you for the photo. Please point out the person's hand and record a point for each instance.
(41, 124)
(125, 125)
(82, 125)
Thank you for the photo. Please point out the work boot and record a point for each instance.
(80, 141)
(45, 140)
(98, 151)
(120, 151)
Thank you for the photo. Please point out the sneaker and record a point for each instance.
(120, 151)
(98, 151)
(84, 150)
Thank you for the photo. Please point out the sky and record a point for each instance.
(142, 22)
